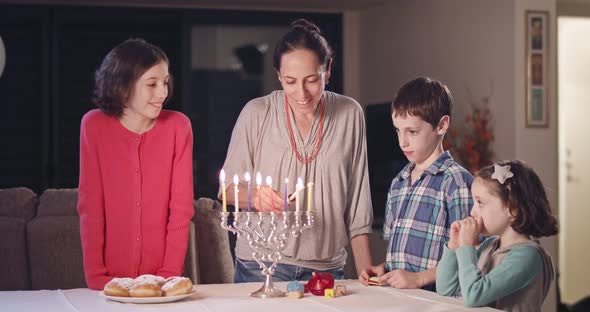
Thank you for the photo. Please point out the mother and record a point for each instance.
(305, 131)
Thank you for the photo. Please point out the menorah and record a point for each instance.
(267, 233)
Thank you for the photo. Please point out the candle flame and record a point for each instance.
(236, 179)
(222, 176)
(258, 178)
(247, 177)
(286, 180)
(299, 183)
(268, 181)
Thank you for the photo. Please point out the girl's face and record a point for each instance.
(303, 79)
(148, 94)
(488, 206)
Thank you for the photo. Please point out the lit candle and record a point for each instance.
(298, 188)
(247, 178)
(236, 191)
(309, 187)
(285, 194)
(223, 199)
(269, 184)
(258, 182)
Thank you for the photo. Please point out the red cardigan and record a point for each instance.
(135, 197)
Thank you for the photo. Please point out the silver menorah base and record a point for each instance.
(267, 233)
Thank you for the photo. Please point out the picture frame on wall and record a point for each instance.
(537, 69)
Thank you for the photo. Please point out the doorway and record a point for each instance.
(574, 148)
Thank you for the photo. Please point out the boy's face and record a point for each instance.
(417, 138)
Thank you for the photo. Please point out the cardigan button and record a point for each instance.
(137, 203)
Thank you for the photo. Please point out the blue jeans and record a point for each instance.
(249, 271)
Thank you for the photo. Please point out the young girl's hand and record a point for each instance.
(454, 240)
(469, 231)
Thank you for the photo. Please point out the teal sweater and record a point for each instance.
(505, 278)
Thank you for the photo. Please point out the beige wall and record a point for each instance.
(538, 146)
(467, 44)
(573, 8)
(477, 48)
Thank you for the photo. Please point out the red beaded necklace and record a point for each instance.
(316, 149)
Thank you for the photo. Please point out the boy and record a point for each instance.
(428, 194)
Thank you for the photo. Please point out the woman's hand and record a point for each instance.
(454, 240)
(469, 231)
(268, 200)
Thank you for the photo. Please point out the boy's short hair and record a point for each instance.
(120, 69)
(424, 97)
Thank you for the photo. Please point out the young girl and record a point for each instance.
(135, 196)
(509, 270)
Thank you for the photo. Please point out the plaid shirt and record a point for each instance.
(418, 217)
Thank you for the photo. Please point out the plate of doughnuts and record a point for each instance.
(148, 289)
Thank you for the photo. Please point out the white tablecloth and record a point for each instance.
(236, 298)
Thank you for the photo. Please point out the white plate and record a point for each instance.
(147, 299)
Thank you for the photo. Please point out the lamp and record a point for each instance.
(2, 56)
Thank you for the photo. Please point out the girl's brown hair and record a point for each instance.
(120, 69)
(525, 196)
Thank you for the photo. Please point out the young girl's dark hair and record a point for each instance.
(120, 69)
(303, 35)
(524, 195)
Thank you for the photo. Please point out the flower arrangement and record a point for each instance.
(470, 143)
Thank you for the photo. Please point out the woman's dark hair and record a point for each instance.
(303, 35)
(525, 196)
(120, 69)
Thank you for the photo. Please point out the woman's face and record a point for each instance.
(148, 94)
(303, 79)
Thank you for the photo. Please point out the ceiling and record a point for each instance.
(322, 5)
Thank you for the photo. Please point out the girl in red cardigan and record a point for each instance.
(135, 196)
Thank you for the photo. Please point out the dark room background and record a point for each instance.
(219, 60)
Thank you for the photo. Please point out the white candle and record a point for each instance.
(309, 188)
(298, 188)
(247, 178)
(258, 182)
(269, 184)
(286, 199)
(236, 193)
(223, 198)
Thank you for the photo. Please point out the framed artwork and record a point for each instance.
(537, 68)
